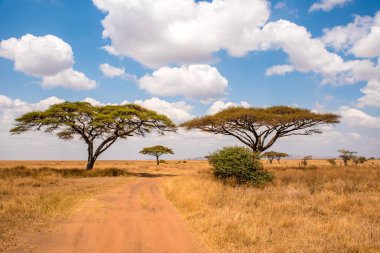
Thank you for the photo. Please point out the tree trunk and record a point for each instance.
(91, 158)
(158, 160)
(90, 163)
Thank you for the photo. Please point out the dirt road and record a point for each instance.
(136, 218)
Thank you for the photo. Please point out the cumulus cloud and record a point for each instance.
(355, 117)
(369, 46)
(68, 78)
(111, 71)
(344, 37)
(38, 56)
(327, 5)
(178, 111)
(279, 70)
(192, 81)
(184, 32)
(13, 108)
(47, 57)
(218, 106)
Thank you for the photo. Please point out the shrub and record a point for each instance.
(240, 164)
(162, 161)
(331, 161)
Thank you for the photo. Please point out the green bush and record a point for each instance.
(240, 164)
(162, 161)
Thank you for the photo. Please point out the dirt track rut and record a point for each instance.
(136, 218)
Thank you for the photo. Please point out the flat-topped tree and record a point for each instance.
(105, 124)
(259, 128)
(271, 155)
(156, 151)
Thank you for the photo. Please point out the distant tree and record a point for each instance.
(271, 155)
(359, 159)
(346, 155)
(259, 128)
(281, 155)
(305, 160)
(371, 158)
(156, 151)
(91, 123)
(331, 161)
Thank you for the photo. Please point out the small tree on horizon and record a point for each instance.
(359, 159)
(281, 155)
(156, 151)
(259, 128)
(271, 155)
(105, 124)
(346, 155)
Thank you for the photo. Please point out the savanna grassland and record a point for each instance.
(320, 208)
(36, 194)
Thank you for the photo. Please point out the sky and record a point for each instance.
(187, 58)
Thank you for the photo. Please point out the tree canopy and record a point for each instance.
(105, 123)
(346, 155)
(156, 151)
(271, 155)
(259, 128)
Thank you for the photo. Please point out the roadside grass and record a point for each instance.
(317, 209)
(31, 199)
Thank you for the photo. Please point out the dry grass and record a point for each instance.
(328, 209)
(30, 199)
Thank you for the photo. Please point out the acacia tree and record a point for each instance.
(280, 155)
(270, 155)
(156, 151)
(259, 128)
(346, 155)
(94, 124)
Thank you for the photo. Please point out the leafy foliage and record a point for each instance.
(331, 161)
(359, 159)
(238, 163)
(271, 155)
(106, 123)
(259, 128)
(156, 151)
(346, 155)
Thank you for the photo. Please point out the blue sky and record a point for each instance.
(186, 59)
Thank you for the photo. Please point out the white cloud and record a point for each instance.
(111, 71)
(161, 32)
(68, 78)
(327, 5)
(355, 117)
(371, 94)
(47, 57)
(178, 111)
(344, 37)
(38, 56)
(218, 106)
(279, 70)
(193, 82)
(369, 45)
(13, 108)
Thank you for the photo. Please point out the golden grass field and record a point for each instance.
(322, 208)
